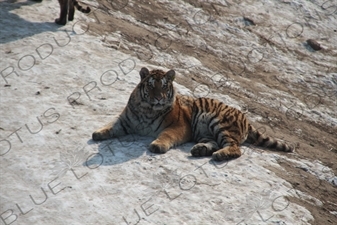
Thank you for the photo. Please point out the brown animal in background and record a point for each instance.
(67, 8)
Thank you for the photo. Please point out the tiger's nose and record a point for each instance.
(158, 98)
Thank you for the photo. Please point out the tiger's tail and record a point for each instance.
(80, 8)
(257, 138)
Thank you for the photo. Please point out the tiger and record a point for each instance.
(155, 109)
(67, 8)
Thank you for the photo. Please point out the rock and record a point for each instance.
(314, 44)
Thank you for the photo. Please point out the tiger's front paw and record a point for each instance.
(101, 135)
(157, 147)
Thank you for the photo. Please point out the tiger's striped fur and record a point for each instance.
(154, 109)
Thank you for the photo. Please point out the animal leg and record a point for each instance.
(114, 129)
(228, 152)
(168, 138)
(71, 11)
(63, 13)
(204, 147)
(230, 147)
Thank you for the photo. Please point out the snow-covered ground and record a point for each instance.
(59, 84)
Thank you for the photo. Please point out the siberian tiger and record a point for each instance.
(154, 109)
(67, 8)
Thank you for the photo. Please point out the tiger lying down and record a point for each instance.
(154, 109)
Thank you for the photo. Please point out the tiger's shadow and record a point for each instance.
(119, 150)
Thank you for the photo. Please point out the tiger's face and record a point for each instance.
(157, 88)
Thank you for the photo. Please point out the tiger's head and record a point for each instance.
(156, 88)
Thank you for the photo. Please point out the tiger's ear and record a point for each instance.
(170, 75)
(144, 72)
